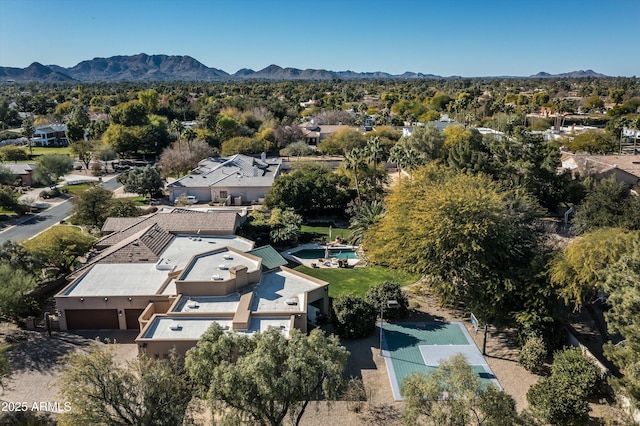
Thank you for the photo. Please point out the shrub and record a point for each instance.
(353, 317)
(563, 397)
(533, 354)
(355, 393)
(379, 294)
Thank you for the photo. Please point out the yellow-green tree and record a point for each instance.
(577, 270)
(475, 238)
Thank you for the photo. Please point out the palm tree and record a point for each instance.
(353, 159)
(176, 127)
(28, 129)
(190, 135)
(396, 155)
(374, 150)
(366, 215)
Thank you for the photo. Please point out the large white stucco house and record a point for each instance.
(155, 275)
(235, 180)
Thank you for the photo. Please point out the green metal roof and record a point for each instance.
(271, 259)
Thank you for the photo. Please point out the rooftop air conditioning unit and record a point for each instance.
(193, 305)
(175, 327)
(223, 267)
(216, 277)
(227, 257)
(291, 301)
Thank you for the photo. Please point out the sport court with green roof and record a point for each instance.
(421, 346)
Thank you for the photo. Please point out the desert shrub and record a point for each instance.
(355, 394)
(533, 354)
(379, 294)
(353, 317)
(563, 398)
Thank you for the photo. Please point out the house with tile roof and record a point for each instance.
(171, 286)
(236, 180)
(626, 168)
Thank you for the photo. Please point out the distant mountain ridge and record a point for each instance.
(572, 74)
(143, 67)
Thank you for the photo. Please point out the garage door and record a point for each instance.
(92, 319)
(132, 318)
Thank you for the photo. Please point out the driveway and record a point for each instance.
(35, 359)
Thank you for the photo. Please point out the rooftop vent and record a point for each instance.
(175, 326)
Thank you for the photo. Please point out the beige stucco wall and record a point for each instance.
(113, 302)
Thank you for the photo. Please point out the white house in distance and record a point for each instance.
(235, 180)
(50, 135)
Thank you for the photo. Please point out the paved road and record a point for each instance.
(37, 223)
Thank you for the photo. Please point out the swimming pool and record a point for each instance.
(310, 254)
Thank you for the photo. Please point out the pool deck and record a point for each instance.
(332, 262)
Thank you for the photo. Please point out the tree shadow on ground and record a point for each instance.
(35, 350)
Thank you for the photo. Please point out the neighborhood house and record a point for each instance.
(172, 286)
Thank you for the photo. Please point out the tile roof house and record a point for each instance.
(22, 171)
(236, 180)
(173, 286)
(626, 168)
(175, 221)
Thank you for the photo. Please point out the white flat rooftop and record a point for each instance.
(217, 264)
(194, 328)
(118, 279)
(208, 304)
(279, 287)
(184, 247)
(135, 279)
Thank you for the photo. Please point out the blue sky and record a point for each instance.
(444, 37)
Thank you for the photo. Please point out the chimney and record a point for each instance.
(239, 272)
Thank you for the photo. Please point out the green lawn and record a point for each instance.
(357, 280)
(75, 189)
(139, 200)
(309, 233)
(44, 150)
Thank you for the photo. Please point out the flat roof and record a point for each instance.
(118, 279)
(206, 266)
(184, 247)
(208, 304)
(134, 279)
(192, 328)
(279, 287)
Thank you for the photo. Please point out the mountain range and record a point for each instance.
(143, 67)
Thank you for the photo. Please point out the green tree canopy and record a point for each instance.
(59, 247)
(563, 397)
(16, 286)
(264, 378)
(466, 231)
(353, 317)
(623, 285)
(103, 390)
(51, 167)
(241, 145)
(143, 180)
(132, 113)
(607, 204)
(593, 142)
(311, 187)
(91, 207)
